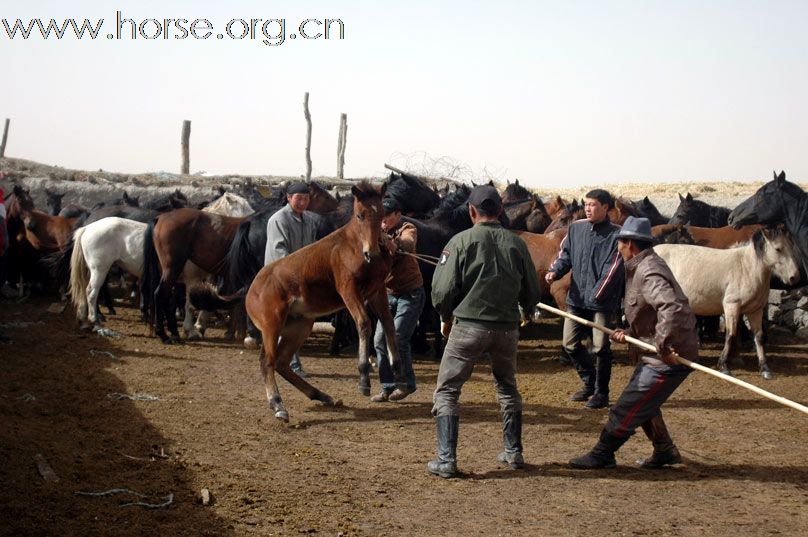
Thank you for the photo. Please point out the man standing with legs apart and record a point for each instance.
(289, 230)
(483, 275)
(405, 294)
(590, 251)
(657, 312)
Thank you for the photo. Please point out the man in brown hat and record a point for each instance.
(483, 275)
(657, 312)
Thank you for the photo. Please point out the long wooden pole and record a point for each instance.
(5, 138)
(307, 115)
(683, 361)
(186, 147)
(341, 143)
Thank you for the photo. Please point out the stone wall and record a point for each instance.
(789, 311)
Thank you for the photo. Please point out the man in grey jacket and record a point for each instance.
(289, 230)
(658, 312)
(590, 251)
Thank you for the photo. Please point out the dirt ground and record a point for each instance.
(360, 469)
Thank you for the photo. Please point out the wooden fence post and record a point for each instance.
(186, 150)
(342, 141)
(5, 137)
(308, 135)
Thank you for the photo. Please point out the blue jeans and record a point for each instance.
(406, 309)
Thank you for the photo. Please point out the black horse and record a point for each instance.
(648, 210)
(695, 212)
(414, 196)
(776, 202)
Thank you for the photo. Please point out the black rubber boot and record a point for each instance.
(583, 365)
(512, 440)
(665, 452)
(446, 464)
(602, 455)
(603, 374)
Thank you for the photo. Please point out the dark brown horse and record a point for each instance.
(174, 238)
(346, 269)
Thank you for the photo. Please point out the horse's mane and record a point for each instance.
(367, 188)
(516, 192)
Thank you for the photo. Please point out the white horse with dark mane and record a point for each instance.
(734, 282)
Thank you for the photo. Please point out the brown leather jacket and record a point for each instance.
(657, 310)
(405, 274)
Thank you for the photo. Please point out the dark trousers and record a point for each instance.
(598, 374)
(648, 389)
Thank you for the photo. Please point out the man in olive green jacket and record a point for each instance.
(484, 273)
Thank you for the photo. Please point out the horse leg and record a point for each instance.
(293, 335)
(364, 329)
(106, 296)
(756, 320)
(381, 307)
(94, 286)
(730, 349)
(161, 304)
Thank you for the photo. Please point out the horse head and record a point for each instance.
(515, 192)
(54, 201)
(775, 247)
(768, 205)
(321, 200)
(367, 221)
(126, 200)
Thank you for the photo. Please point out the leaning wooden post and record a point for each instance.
(186, 151)
(5, 137)
(308, 135)
(341, 143)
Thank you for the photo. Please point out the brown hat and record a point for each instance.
(485, 197)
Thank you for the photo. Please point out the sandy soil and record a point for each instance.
(360, 469)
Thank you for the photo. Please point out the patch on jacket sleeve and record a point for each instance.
(444, 255)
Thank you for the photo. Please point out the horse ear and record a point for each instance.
(358, 194)
(646, 200)
(681, 199)
(689, 197)
(780, 178)
(383, 189)
(516, 182)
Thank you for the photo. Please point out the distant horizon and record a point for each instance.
(555, 94)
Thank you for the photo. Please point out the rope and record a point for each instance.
(431, 259)
(169, 499)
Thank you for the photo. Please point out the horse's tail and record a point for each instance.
(151, 270)
(206, 297)
(79, 272)
(242, 261)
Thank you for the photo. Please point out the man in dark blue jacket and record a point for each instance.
(590, 251)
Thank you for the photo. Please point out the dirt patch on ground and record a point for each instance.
(360, 469)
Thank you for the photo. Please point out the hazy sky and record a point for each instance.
(553, 93)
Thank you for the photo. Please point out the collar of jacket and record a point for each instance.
(492, 223)
(631, 264)
(604, 222)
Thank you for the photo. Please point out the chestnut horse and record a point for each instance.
(47, 234)
(343, 270)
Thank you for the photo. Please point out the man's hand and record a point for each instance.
(550, 277)
(669, 357)
(389, 244)
(446, 328)
(618, 336)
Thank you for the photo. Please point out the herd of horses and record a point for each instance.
(724, 259)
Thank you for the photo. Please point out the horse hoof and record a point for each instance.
(364, 390)
(727, 372)
(250, 343)
(194, 337)
(767, 375)
(282, 415)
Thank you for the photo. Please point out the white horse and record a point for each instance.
(734, 282)
(96, 247)
(229, 204)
